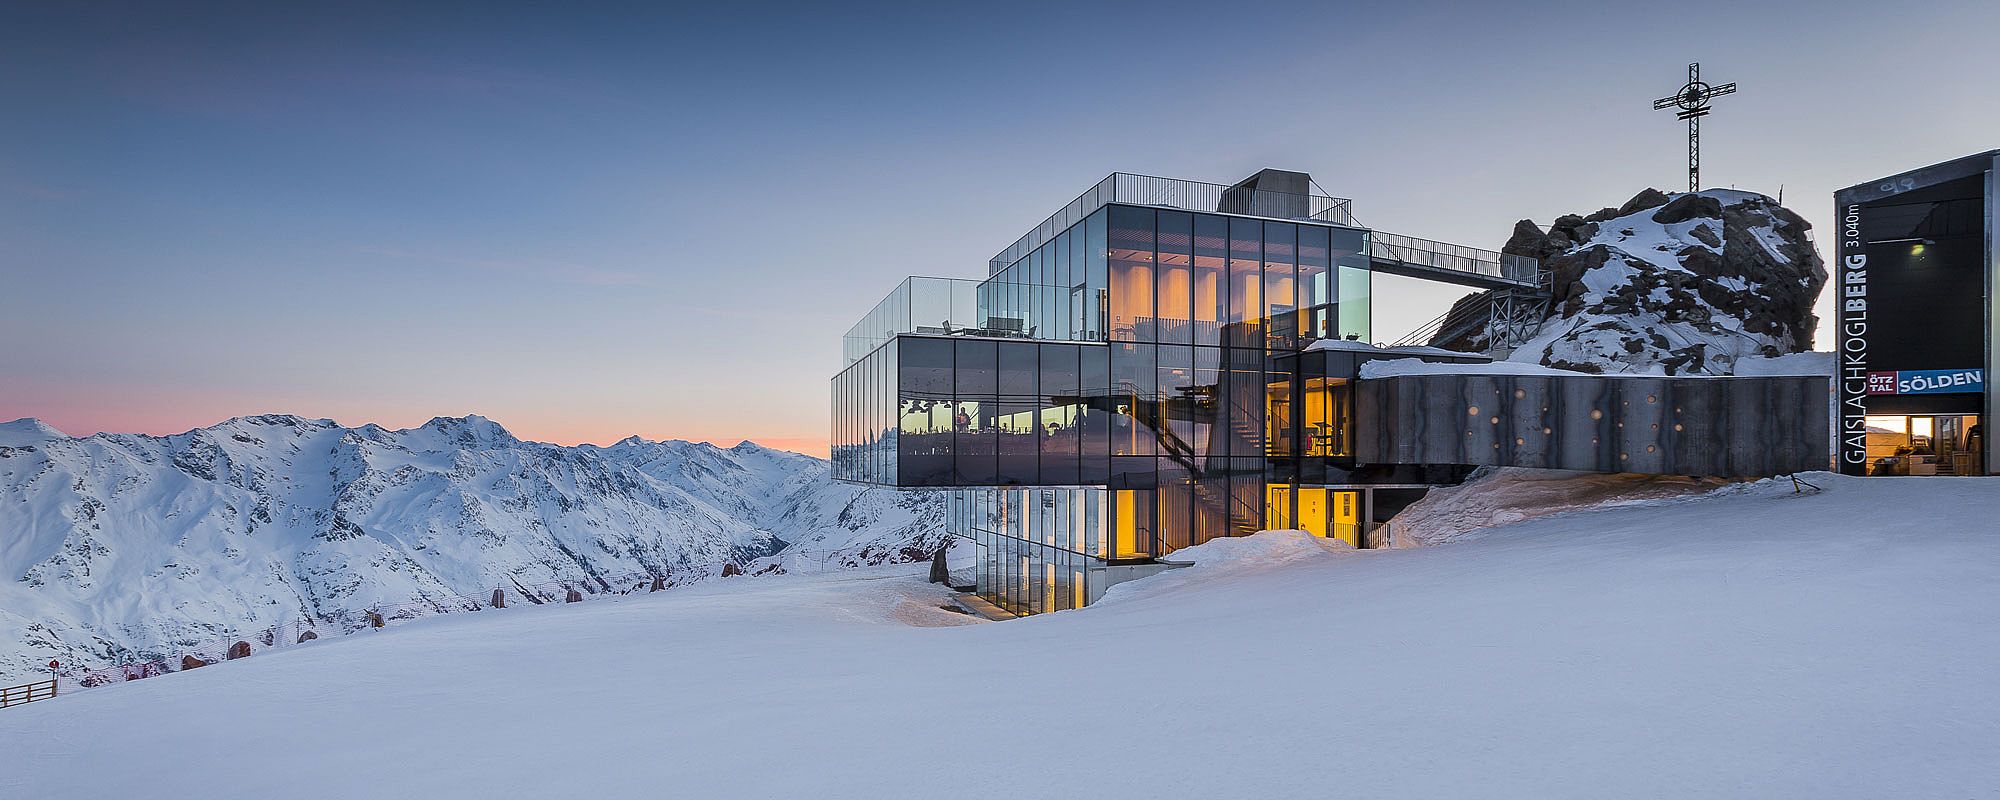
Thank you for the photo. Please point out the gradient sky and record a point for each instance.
(593, 221)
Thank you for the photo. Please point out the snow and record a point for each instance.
(1605, 322)
(118, 548)
(1505, 495)
(1813, 362)
(1392, 367)
(1743, 642)
(1344, 344)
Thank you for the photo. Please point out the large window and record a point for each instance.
(1281, 286)
(1016, 414)
(1132, 311)
(1246, 284)
(1136, 395)
(1328, 417)
(1316, 285)
(1040, 549)
(974, 416)
(1350, 257)
(925, 431)
(1211, 270)
(1175, 282)
(1061, 411)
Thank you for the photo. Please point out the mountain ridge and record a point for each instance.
(122, 547)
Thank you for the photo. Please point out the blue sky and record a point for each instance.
(587, 221)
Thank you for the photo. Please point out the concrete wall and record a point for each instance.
(1732, 427)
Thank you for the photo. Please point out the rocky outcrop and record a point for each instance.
(1668, 283)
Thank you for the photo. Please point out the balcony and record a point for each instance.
(958, 307)
(1147, 190)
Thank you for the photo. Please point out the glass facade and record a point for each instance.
(1129, 387)
(1040, 549)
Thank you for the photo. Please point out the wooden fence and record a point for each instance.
(27, 693)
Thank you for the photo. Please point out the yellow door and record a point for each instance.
(1347, 517)
(1312, 510)
(1277, 506)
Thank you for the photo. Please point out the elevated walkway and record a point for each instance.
(1439, 261)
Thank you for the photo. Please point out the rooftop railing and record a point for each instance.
(1148, 190)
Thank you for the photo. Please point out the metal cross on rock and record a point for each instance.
(1692, 100)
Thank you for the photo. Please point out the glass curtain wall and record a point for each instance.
(865, 418)
(981, 412)
(1202, 421)
(1040, 549)
(1058, 290)
(1178, 426)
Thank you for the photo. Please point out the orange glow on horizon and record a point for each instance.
(82, 413)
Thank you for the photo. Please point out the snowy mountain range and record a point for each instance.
(124, 548)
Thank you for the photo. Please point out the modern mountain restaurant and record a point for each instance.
(1163, 362)
(1916, 321)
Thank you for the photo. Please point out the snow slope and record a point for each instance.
(1747, 642)
(123, 548)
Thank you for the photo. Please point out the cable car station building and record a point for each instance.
(1163, 362)
(1916, 319)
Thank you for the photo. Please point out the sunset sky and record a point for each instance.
(587, 224)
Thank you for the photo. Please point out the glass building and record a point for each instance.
(1142, 372)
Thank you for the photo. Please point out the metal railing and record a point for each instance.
(1423, 333)
(1457, 258)
(967, 307)
(27, 693)
(1151, 190)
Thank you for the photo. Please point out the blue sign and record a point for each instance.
(1940, 381)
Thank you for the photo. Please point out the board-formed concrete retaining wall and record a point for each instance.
(1731, 427)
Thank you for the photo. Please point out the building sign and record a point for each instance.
(1928, 381)
(1852, 379)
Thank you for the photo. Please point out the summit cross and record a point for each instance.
(1692, 100)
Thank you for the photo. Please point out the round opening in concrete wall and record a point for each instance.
(1596, 413)
(1520, 393)
(1472, 411)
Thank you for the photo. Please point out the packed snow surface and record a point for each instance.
(1744, 642)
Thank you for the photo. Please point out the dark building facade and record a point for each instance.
(1917, 265)
(1165, 362)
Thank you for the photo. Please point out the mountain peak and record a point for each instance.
(470, 429)
(28, 430)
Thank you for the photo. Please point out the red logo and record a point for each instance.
(1881, 383)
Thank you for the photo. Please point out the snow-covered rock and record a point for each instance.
(124, 548)
(1686, 283)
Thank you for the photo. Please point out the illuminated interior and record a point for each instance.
(1318, 510)
(1946, 444)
